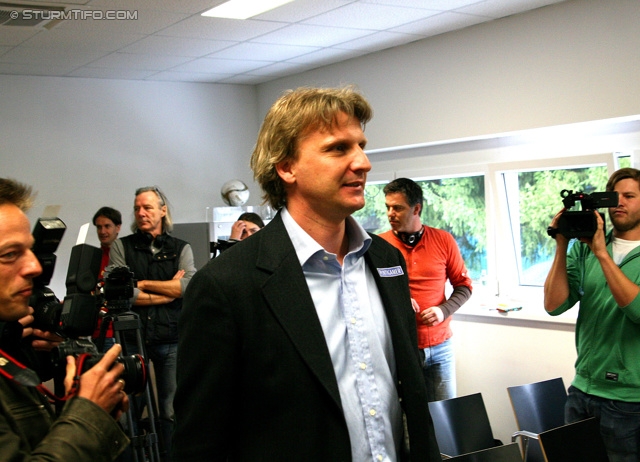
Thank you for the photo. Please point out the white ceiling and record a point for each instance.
(171, 41)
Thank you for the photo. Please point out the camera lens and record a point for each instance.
(134, 374)
(46, 310)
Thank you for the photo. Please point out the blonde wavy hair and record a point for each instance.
(293, 115)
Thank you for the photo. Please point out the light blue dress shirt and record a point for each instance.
(357, 333)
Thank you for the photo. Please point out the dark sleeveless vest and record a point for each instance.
(159, 322)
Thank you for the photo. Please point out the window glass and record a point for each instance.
(533, 198)
(455, 204)
(623, 160)
(373, 216)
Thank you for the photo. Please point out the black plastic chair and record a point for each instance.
(537, 407)
(462, 425)
(574, 442)
(506, 453)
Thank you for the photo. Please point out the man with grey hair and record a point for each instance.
(163, 266)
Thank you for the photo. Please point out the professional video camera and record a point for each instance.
(583, 223)
(76, 317)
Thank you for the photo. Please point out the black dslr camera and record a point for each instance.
(118, 288)
(583, 223)
(75, 319)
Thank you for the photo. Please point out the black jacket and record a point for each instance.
(255, 378)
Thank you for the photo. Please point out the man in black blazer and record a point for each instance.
(299, 343)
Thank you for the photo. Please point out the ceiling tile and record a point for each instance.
(102, 73)
(301, 10)
(100, 40)
(140, 62)
(438, 5)
(220, 29)
(174, 76)
(178, 46)
(439, 24)
(309, 35)
(369, 16)
(170, 40)
(262, 51)
(379, 41)
(220, 66)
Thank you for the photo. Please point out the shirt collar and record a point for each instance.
(305, 246)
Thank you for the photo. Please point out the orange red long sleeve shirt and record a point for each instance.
(434, 260)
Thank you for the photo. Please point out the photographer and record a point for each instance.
(603, 274)
(247, 224)
(86, 429)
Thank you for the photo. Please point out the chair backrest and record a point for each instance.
(461, 424)
(506, 453)
(574, 442)
(539, 406)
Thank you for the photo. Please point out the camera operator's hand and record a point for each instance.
(45, 341)
(42, 341)
(560, 239)
(102, 383)
(597, 242)
(26, 322)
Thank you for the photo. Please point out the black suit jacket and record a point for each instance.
(255, 379)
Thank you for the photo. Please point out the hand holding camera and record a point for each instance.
(41, 340)
(585, 222)
(102, 383)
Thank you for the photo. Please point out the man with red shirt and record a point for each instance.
(107, 221)
(432, 257)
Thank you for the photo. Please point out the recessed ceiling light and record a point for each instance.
(243, 9)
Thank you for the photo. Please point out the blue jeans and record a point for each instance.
(440, 371)
(163, 358)
(619, 422)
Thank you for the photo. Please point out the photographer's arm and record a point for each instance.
(83, 431)
(624, 290)
(556, 286)
(87, 428)
(101, 384)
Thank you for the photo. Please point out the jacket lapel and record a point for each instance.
(287, 294)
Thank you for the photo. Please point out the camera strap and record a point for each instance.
(17, 372)
(14, 370)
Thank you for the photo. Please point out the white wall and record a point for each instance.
(85, 143)
(493, 354)
(569, 62)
